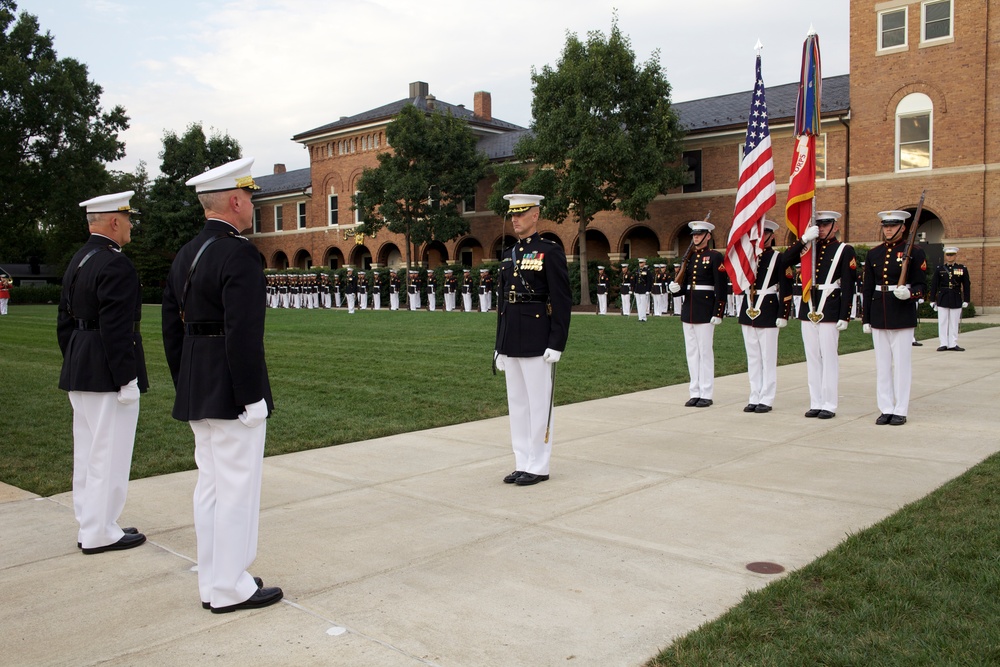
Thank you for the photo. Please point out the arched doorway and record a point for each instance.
(469, 252)
(279, 261)
(435, 254)
(334, 258)
(501, 243)
(551, 236)
(598, 246)
(303, 260)
(361, 258)
(389, 255)
(640, 241)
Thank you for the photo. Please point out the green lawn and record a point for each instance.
(343, 378)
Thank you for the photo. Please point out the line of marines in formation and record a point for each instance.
(357, 290)
(893, 280)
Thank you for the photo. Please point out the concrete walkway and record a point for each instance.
(409, 551)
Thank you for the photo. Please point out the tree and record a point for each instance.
(174, 215)
(419, 186)
(54, 142)
(604, 137)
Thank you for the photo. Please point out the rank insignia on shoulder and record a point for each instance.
(923, 265)
(854, 264)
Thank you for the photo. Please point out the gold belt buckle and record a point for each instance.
(511, 297)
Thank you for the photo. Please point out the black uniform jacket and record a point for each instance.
(216, 375)
(533, 275)
(838, 301)
(351, 286)
(106, 353)
(643, 281)
(602, 283)
(950, 286)
(772, 306)
(705, 268)
(883, 266)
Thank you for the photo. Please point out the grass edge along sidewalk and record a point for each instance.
(918, 588)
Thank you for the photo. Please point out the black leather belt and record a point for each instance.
(204, 329)
(524, 297)
(94, 325)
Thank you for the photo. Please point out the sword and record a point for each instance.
(552, 400)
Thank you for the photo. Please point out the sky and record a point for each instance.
(265, 70)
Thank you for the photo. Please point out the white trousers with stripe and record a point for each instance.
(230, 460)
(103, 438)
(529, 391)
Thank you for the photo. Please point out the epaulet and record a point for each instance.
(545, 240)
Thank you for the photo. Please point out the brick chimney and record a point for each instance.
(279, 168)
(483, 105)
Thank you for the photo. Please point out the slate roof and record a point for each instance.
(290, 181)
(392, 109)
(727, 111)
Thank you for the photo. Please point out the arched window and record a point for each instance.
(914, 132)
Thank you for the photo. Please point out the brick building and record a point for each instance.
(913, 114)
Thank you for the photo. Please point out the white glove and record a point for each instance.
(129, 393)
(781, 323)
(810, 234)
(500, 361)
(715, 321)
(965, 304)
(902, 292)
(841, 325)
(674, 287)
(866, 328)
(934, 307)
(253, 415)
(551, 356)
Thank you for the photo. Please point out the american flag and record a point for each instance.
(755, 194)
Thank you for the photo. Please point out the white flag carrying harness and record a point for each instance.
(753, 312)
(827, 287)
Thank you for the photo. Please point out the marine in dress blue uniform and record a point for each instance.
(643, 288)
(828, 310)
(533, 317)
(104, 371)
(603, 286)
(764, 310)
(890, 315)
(213, 336)
(704, 289)
(950, 293)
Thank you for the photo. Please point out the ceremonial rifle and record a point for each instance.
(909, 240)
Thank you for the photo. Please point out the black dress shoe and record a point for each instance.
(883, 419)
(751, 407)
(692, 402)
(703, 403)
(813, 413)
(131, 530)
(511, 478)
(897, 420)
(527, 479)
(917, 343)
(128, 541)
(956, 349)
(263, 597)
(256, 580)
(761, 408)
(942, 348)
(826, 414)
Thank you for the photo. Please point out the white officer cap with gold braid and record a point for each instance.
(116, 203)
(518, 203)
(233, 175)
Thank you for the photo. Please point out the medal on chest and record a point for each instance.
(531, 261)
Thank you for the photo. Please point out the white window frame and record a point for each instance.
(279, 214)
(906, 29)
(256, 219)
(950, 37)
(915, 104)
(332, 220)
(300, 210)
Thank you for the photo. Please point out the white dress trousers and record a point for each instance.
(602, 304)
(529, 391)
(893, 369)
(467, 302)
(642, 306)
(762, 363)
(948, 321)
(393, 300)
(230, 459)
(350, 302)
(377, 301)
(449, 301)
(626, 304)
(103, 437)
(822, 363)
(698, 344)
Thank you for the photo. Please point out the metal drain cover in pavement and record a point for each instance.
(763, 567)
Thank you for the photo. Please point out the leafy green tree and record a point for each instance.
(55, 139)
(419, 186)
(604, 136)
(173, 216)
